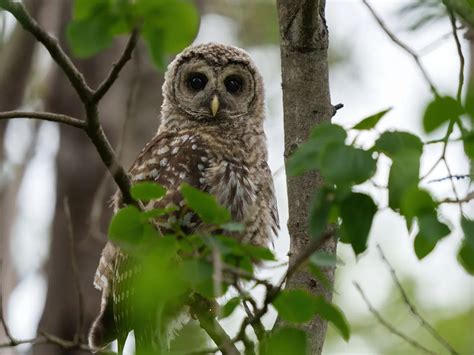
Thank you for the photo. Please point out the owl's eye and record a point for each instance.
(197, 81)
(233, 84)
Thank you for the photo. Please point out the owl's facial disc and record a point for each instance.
(214, 93)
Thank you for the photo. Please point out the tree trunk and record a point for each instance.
(306, 102)
(15, 63)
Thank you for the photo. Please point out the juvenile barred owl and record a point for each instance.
(211, 137)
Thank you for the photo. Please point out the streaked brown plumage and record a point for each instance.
(211, 137)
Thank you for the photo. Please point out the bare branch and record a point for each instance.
(44, 116)
(461, 56)
(412, 307)
(116, 68)
(390, 327)
(469, 197)
(402, 45)
(456, 177)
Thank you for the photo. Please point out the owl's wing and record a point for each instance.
(168, 160)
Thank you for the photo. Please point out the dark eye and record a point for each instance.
(197, 81)
(233, 84)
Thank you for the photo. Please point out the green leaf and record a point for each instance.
(146, 191)
(295, 306)
(198, 274)
(89, 36)
(323, 258)
(416, 202)
(258, 252)
(467, 226)
(466, 257)
(85, 8)
(333, 314)
(346, 165)
(319, 213)
(403, 176)
(285, 341)
(127, 226)
(357, 212)
(439, 111)
(154, 40)
(392, 143)
(466, 252)
(158, 212)
(371, 121)
(306, 157)
(205, 205)
(468, 141)
(430, 233)
(230, 307)
(159, 30)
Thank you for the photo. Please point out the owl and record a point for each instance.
(211, 137)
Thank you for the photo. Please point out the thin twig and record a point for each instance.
(390, 327)
(469, 197)
(75, 271)
(44, 116)
(99, 195)
(457, 177)
(116, 67)
(402, 45)
(460, 54)
(412, 307)
(443, 153)
(453, 185)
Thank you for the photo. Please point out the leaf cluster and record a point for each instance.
(176, 266)
(167, 26)
(344, 166)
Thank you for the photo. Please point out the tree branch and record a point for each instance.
(116, 67)
(461, 56)
(44, 116)
(402, 45)
(88, 97)
(390, 327)
(412, 307)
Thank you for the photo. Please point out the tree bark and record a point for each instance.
(306, 102)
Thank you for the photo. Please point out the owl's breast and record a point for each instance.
(232, 185)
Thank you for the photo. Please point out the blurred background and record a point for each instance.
(42, 163)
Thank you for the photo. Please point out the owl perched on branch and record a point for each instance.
(210, 137)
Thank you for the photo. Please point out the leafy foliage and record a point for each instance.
(344, 166)
(97, 22)
(176, 267)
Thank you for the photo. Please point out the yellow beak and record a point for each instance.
(214, 105)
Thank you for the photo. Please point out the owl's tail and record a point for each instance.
(102, 331)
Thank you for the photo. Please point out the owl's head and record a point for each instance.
(213, 84)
